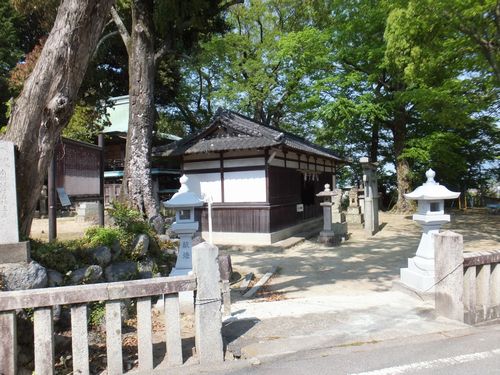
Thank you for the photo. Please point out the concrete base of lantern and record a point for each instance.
(417, 278)
(399, 286)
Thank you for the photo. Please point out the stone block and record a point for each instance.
(329, 238)
(18, 252)
(88, 211)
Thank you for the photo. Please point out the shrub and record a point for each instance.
(59, 256)
(102, 236)
(128, 219)
(97, 311)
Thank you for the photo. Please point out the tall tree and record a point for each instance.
(158, 29)
(47, 100)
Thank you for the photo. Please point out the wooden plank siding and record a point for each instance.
(235, 218)
(285, 189)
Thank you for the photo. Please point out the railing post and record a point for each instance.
(208, 319)
(483, 290)
(495, 291)
(8, 340)
(43, 327)
(449, 275)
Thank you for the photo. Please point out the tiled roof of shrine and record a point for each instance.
(232, 131)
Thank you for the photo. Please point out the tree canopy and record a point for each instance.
(412, 84)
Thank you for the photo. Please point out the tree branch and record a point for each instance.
(102, 40)
(121, 29)
(229, 4)
(166, 47)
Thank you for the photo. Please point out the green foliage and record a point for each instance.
(128, 219)
(10, 53)
(59, 255)
(97, 312)
(85, 124)
(102, 236)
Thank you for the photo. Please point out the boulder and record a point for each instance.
(86, 275)
(20, 276)
(116, 250)
(154, 247)
(163, 238)
(54, 278)
(158, 224)
(120, 271)
(146, 268)
(101, 255)
(140, 246)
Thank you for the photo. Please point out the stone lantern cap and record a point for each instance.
(431, 190)
(327, 192)
(184, 198)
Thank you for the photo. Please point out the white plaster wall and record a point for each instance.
(247, 162)
(292, 164)
(201, 164)
(277, 162)
(208, 183)
(248, 186)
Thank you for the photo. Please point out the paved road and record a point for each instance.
(470, 351)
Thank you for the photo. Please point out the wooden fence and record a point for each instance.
(467, 285)
(207, 318)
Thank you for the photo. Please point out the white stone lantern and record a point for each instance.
(430, 196)
(184, 202)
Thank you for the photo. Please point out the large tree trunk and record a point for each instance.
(137, 185)
(47, 100)
(402, 167)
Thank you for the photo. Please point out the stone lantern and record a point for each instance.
(184, 202)
(430, 196)
(327, 235)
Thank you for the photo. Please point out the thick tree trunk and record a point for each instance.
(402, 167)
(47, 100)
(137, 185)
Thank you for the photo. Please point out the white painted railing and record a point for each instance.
(207, 318)
(467, 284)
(481, 294)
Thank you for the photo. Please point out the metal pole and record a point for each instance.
(52, 200)
(100, 209)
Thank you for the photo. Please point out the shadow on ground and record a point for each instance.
(370, 264)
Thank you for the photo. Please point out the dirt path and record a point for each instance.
(360, 264)
(68, 228)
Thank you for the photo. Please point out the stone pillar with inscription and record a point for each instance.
(371, 195)
(11, 250)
